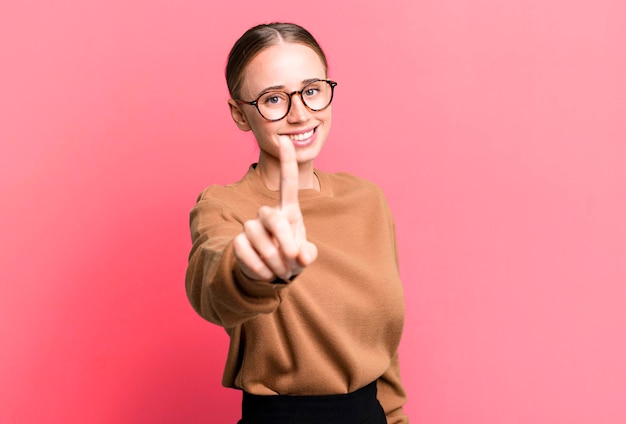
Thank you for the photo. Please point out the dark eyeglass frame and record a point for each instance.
(255, 103)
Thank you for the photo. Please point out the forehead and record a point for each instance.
(286, 64)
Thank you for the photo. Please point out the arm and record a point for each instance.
(234, 265)
(391, 394)
(216, 287)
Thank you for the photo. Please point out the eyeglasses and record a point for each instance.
(275, 105)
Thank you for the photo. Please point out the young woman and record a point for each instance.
(299, 266)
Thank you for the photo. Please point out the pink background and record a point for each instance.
(496, 128)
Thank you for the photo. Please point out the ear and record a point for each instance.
(238, 116)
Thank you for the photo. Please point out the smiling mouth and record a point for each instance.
(302, 136)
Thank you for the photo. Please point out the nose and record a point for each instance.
(298, 111)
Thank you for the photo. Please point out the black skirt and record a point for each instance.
(360, 407)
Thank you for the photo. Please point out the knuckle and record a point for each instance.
(280, 224)
(266, 212)
(250, 226)
(239, 244)
(270, 254)
(237, 241)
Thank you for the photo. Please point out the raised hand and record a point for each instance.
(274, 244)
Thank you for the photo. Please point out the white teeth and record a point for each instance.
(301, 137)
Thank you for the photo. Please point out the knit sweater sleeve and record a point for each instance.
(216, 287)
(391, 394)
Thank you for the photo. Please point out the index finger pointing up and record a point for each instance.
(288, 174)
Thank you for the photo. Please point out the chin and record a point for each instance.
(309, 153)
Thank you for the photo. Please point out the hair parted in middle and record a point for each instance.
(260, 37)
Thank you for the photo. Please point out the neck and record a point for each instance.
(269, 170)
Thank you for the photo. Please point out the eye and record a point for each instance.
(313, 89)
(273, 99)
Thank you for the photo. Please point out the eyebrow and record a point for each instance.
(282, 87)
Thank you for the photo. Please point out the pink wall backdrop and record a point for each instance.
(497, 130)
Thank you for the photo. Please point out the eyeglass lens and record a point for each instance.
(275, 105)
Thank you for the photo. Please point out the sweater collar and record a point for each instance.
(256, 183)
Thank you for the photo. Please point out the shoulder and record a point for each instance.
(229, 192)
(217, 192)
(237, 201)
(357, 194)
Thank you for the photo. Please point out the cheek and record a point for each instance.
(326, 117)
(262, 129)
(256, 121)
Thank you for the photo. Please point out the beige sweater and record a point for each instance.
(336, 327)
